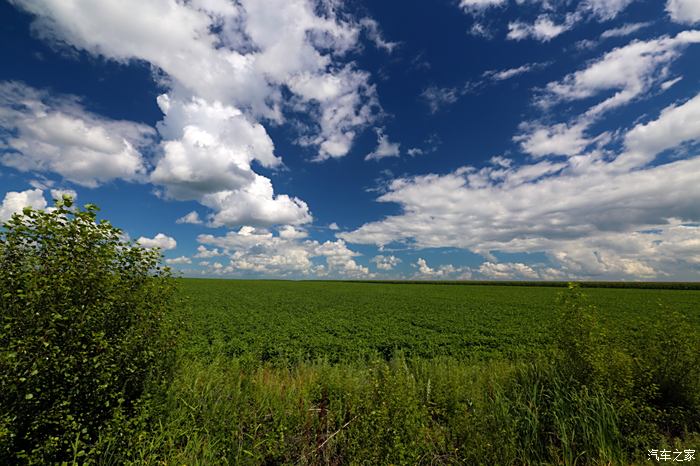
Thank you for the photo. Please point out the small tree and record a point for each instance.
(82, 329)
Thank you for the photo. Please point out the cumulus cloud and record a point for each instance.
(508, 271)
(386, 262)
(442, 272)
(191, 218)
(44, 133)
(178, 260)
(539, 140)
(385, 148)
(230, 68)
(161, 241)
(204, 253)
(593, 217)
(15, 201)
(256, 204)
(289, 232)
(208, 147)
(259, 251)
(684, 11)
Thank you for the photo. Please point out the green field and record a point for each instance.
(276, 372)
(343, 321)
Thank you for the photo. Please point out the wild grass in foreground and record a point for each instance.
(592, 399)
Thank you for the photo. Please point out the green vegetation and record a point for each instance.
(337, 373)
(274, 372)
(82, 331)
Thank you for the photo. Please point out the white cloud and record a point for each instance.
(386, 262)
(675, 125)
(333, 226)
(684, 11)
(289, 232)
(178, 260)
(605, 9)
(670, 83)
(375, 35)
(343, 103)
(15, 201)
(191, 218)
(624, 30)
(230, 68)
(208, 150)
(204, 253)
(439, 97)
(558, 139)
(260, 252)
(502, 75)
(441, 272)
(429, 146)
(45, 133)
(256, 204)
(385, 148)
(553, 17)
(208, 147)
(480, 30)
(629, 72)
(161, 241)
(508, 271)
(543, 29)
(480, 4)
(593, 217)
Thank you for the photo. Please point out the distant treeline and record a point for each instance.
(558, 284)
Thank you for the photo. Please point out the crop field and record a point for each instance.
(275, 372)
(341, 321)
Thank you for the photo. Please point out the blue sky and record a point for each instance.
(482, 139)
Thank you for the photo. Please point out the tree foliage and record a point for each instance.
(83, 330)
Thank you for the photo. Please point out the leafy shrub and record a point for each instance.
(83, 330)
(653, 379)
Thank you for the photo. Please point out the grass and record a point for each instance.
(372, 373)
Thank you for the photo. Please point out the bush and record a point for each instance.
(83, 330)
(652, 379)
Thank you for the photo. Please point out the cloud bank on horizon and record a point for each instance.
(308, 138)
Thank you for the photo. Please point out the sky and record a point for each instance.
(329, 139)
